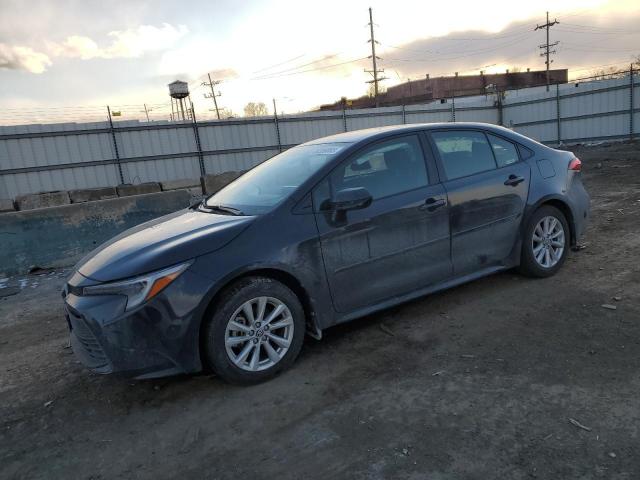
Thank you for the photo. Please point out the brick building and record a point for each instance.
(427, 89)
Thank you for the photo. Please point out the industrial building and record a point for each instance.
(425, 89)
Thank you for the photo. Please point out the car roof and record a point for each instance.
(356, 136)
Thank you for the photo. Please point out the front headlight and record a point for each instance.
(140, 289)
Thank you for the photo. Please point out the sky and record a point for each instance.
(72, 57)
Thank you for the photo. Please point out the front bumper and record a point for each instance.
(157, 339)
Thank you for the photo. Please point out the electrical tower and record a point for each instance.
(375, 72)
(547, 45)
(213, 94)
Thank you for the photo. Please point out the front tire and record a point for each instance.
(546, 243)
(255, 331)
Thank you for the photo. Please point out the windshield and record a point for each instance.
(259, 190)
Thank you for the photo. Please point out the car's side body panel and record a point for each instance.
(391, 247)
(485, 217)
(486, 209)
(291, 247)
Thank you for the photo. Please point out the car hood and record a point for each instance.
(159, 243)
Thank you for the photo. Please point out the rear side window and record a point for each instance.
(464, 153)
(525, 152)
(505, 151)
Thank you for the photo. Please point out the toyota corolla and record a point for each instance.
(320, 234)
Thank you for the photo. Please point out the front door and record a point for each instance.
(487, 186)
(396, 245)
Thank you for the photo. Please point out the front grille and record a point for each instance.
(85, 345)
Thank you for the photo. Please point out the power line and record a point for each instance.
(292, 69)
(588, 47)
(324, 67)
(547, 45)
(596, 32)
(468, 53)
(596, 27)
(278, 64)
(488, 37)
(596, 66)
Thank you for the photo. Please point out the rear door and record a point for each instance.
(397, 244)
(487, 186)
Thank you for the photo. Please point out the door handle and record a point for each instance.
(513, 180)
(433, 203)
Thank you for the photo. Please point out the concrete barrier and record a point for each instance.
(92, 194)
(191, 185)
(6, 205)
(60, 236)
(140, 189)
(42, 200)
(184, 183)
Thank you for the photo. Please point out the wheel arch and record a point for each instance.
(282, 276)
(562, 205)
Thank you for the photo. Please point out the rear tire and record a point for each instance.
(545, 244)
(255, 331)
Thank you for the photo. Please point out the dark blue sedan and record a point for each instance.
(320, 234)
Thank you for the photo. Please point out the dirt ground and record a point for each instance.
(479, 382)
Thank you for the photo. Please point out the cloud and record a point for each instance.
(224, 74)
(76, 46)
(146, 38)
(590, 40)
(130, 43)
(23, 58)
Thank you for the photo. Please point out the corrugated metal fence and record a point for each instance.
(35, 158)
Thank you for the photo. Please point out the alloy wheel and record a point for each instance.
(548, 242)
(259, 334)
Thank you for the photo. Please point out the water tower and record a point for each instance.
(178, 91)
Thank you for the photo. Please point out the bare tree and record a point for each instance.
(604, 73)
(255, 109)
(227, 113)
(371, 90)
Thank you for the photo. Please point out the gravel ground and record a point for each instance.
(506, 377)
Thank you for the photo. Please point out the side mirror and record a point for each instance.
(351, 199)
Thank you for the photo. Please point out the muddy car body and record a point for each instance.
(326, 232)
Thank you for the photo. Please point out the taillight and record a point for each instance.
(575, 165)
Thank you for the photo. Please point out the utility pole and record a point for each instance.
(374, 60)
(146, 111)
(547, 45)
(277, 124)
(213, 94)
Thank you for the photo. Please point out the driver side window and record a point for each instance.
(384, 169)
